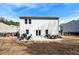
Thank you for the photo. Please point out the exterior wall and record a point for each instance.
(37, 24)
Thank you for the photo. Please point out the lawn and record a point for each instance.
(69, 45)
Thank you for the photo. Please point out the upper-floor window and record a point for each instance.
(27, 21)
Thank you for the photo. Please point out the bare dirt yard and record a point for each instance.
(69, 45)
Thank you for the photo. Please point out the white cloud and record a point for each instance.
(69, 18)
(73, 16)
(9, 13)
(76, 11)
(8, 8)
(29, 5)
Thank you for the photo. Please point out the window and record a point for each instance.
(46, 32)
(38, 32)
(29, 21)
(27, 31)
(25, 21)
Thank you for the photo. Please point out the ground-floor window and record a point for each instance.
(46, 31)
(38, 32)
(27, 31)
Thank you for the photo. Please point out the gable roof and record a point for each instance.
(38, 17)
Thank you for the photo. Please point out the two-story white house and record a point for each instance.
(39, 26)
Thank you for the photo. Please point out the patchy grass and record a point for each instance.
(68, 46)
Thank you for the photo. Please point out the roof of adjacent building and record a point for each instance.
(4, 28)
(72, 26)
(38, 17)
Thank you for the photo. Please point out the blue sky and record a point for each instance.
(65, 11)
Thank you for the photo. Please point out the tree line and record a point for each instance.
(8, 22)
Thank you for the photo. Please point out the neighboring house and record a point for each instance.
(4, 29)
(39, 26)
(70, 27)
